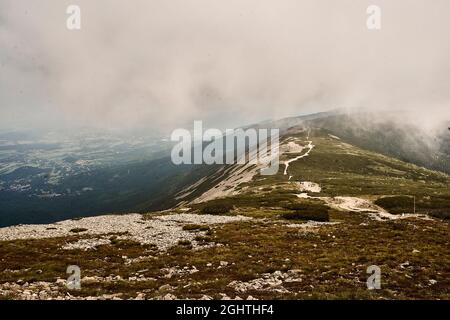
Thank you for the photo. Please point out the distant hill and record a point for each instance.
(149, 185)
(404, 142)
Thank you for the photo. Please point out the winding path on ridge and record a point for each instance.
(309, 146)
(352, 204)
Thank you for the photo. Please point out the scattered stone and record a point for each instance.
(404, 264)
(268, 282)
(140, 296)
(165, 287)
(163, 231)
(169, 296)
(224, 296)
(193, 270)
(86, 244)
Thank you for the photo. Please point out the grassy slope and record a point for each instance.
(330, 261)
(344, 170)
(404, 142)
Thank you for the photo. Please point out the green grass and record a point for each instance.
(216, 208)
(307, 210)
(345, 170)
(321, 216)
(396, 204)
(332, 261)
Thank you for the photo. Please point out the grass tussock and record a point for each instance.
(396, 204)
(78, 230)
(195, 227)
(314, 211)
(216, 208)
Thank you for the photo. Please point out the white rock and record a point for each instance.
(165, 287)
(169, 296)
(163, 231)
(140, 296)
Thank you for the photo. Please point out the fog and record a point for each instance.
(161, 64)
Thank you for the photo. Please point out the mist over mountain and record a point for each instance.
(98, 200)
(161, 65)
(50, 177)
(396, 134)
(402, 140)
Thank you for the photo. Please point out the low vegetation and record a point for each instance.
(307, 210)
(329, 261)
(78, 230)
(195, 227)
(216, 208)
(396, 204)
(435, 206)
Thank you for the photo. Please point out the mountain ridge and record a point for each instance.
(310, 231)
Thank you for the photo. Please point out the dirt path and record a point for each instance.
(365, 206)
(294, 147)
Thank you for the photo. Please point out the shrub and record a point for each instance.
(192, 227)
(184, 243)
(304, 206)
(123, 243)
(78, 230)
(441, 214)
(202, 239)
(307, 211)
(314, 215)
(217, 208)
(396, 204)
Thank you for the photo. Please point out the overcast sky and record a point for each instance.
(164, 63)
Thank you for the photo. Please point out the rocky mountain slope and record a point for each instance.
(47, 183)
(309, 231)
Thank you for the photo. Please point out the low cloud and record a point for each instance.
(162, 64)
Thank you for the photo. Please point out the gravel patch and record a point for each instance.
(163, 231)
(268, 282)
(310, 225)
